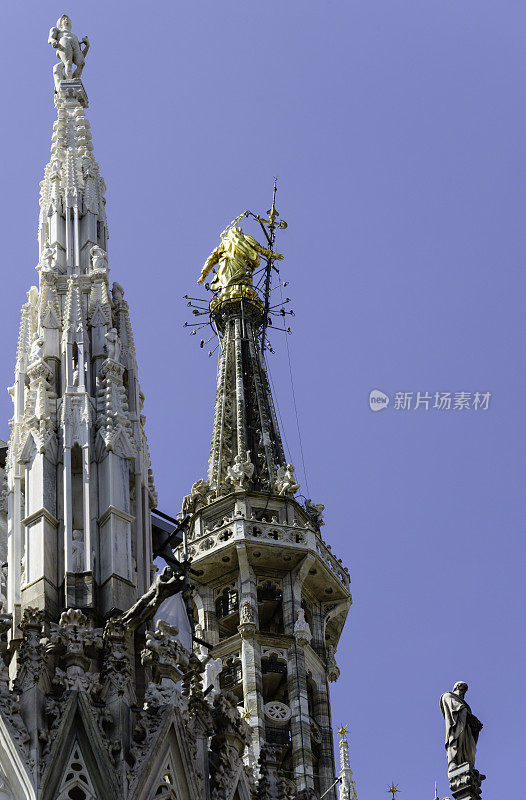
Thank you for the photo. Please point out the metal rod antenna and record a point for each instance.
(270, 237)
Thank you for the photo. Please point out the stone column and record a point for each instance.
(302, 760)
(117, 589)
(322, 716)
(250, 651)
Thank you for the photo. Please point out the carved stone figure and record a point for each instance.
(48, 258)
(117, 293)
(200, 490)
(247, 614)
(3, 583)
(37, 350)
(286, 482)
(164, 585)
(113, 346)
(333, 670)
(237, 257)
(302, 631)
(164, 654)
(241, 471)
(315, 512)
(98, 257)
(69, 51)
(77, 547)
(462, 727)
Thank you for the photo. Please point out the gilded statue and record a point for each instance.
(69, 51)
(236, 258)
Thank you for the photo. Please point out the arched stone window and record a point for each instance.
(227, 601)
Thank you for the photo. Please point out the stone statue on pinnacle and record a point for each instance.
(70, 51)
(462, 727)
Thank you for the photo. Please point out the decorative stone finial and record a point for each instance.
(69, 51)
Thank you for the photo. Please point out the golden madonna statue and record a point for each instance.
(237, 257)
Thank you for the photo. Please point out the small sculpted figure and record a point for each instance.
(286, 482)
(462, 727)
(198, 494)
(32, 296)
(241, 471)
(117, 293)
(113, 346)
(99, 258)
(69, 51)
(37, 350)
(164, 585)
(237, 257)
(48, 258)
(315, 512)
(302, 630)
(3, 581)
(77, 547)
(247, 614)
(55, 169)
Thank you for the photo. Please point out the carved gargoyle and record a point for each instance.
(166, 584)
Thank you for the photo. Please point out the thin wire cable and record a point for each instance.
(274, 395)
(295, 405)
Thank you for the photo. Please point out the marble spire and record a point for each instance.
(347, 784)
(78, 471)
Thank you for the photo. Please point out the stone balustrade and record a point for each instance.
(201, 544)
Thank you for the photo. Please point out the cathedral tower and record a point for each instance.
(270, 596)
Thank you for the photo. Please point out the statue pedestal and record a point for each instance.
(71, 90)
(465, 782)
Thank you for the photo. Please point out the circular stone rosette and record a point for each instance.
(276, 712)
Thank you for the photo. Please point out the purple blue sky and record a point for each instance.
(397, 131)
